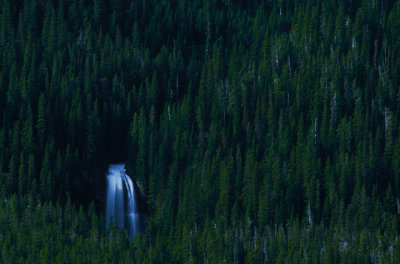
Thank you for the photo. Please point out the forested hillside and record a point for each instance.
(255, 131)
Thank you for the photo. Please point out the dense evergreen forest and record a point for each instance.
(255, 131)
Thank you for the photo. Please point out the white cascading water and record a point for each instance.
(115, 208)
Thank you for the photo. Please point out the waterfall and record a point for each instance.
(125, 217)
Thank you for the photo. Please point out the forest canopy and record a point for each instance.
(255, 131)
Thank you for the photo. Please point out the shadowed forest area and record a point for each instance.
(255, 131)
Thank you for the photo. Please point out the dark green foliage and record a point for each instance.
(255, 132)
